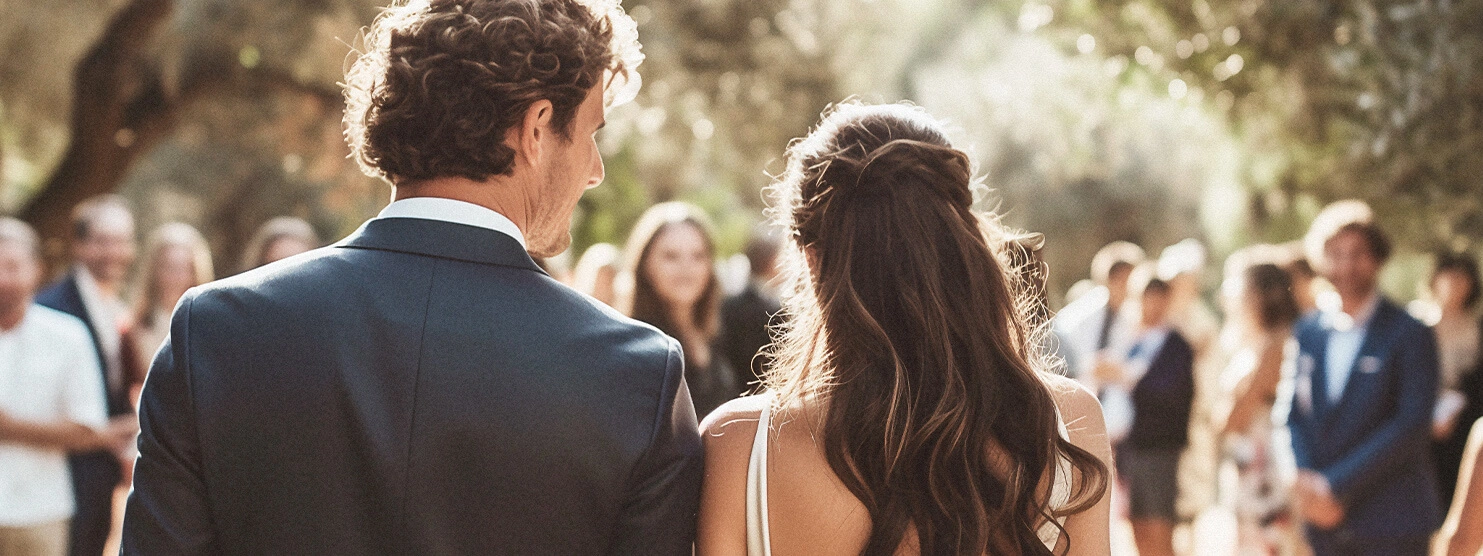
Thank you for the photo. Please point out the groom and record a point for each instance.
(422, 387)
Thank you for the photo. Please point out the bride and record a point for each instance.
(908, 411)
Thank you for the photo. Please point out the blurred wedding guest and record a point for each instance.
(1146, 396)
(278, 239)
(1462, 532)
(1365, 387)
(748, 316)
(176, 258)
(51, 403)
(1454, 290)
(1182, 265)
(1097, 321)
(1300, 270)
(671, 258)
(596, 273)
(102, 249)
(1261, 312)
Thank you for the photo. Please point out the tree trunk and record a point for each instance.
(120, 109)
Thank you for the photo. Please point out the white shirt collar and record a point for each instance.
(457, 212)
(1342, 322)
(99, 306)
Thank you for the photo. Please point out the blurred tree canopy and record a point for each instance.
(1380, 100)
(1091, 121)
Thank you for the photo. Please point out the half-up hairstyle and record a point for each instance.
(905, 320)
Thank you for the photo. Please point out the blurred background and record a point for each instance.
(1091, 121)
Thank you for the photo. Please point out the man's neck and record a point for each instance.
(109, 290)
(1354, 304)
(497, 193)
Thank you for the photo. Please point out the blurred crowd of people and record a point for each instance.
(1323, 416)
(74, 354)
(1326, 418)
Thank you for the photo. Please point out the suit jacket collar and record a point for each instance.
(441, 239)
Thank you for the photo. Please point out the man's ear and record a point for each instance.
(533, 135)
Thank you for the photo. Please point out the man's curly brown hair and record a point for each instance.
(439, 82)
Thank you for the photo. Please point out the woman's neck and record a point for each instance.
(1452, 314)
(166, 302)
(683, 318)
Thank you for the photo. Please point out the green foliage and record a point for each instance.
(1089, 120)
(1373, 99)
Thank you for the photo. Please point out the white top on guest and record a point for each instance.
(457, 212)
(48, 373)
(106, 313)
(1345, 340)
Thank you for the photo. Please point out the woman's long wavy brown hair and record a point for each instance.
(903, 318)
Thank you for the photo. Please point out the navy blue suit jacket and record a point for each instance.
(1163, 397)
(1373, 444)
(421, 387)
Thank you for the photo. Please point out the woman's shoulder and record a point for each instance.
(1078, 407)
(733, 426)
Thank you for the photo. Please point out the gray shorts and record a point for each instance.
(1151, 475)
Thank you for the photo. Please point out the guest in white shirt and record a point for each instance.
(51, 403)
(1096, 325)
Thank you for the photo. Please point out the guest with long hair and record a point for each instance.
(596, 273)
(1261, 311)
(671, 264)
(278, 239)
(176, 258)
(909, 410)
(1454, 289)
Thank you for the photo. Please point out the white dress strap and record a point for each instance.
(1060, 490)
(759, 542)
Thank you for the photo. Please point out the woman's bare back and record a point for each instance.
(809, 509)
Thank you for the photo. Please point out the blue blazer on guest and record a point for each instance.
(421, 387)
(1163, 397)
(1373, 444)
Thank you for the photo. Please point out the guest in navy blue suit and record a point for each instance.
(1365, 386)
(102, 250)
